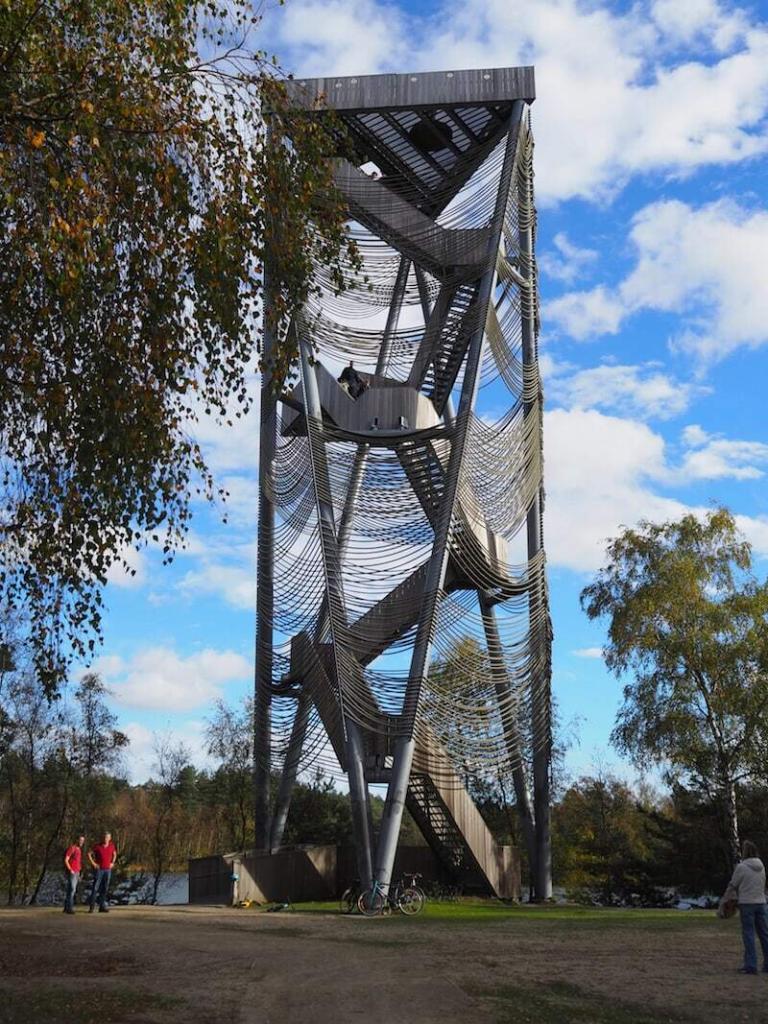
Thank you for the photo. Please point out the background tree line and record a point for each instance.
(61, 771)
(687, 635)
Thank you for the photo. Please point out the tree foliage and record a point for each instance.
(166, 792)
(229, 733)
(462, 677)
(609, 842)
(688, 620)
(55, 765)
(138, 195)
(60, 765)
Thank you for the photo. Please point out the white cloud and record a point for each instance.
(708, 265)
(341, 37)
(550, 368)
(140, 753)
(107, 665)
(685, 22)
(158, 679)
(129, 570)
(226, 567)
(604, 472)
(568, 262)
(643, 392)
(615, 98)
(241, 505)
(714, 458)
(233, 442)
(588, 652)
(693, 436)
(140, 756)
(236, 584)
(586, 315)
(599, 471)
(755, 529)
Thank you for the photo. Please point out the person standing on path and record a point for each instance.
(748, 886)
(73, 865)
(102, 857)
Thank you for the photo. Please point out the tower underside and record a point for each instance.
(404, 634)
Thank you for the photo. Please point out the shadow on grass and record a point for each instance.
(561, 1003)
(42, 1005)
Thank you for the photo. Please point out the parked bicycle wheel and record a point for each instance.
(410, 881)
(348, 901)
(410, 901)
(372, 902)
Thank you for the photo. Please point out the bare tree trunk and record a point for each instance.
(732, 823)
(158, 866)
(13, 865)
(49, 845)
(27, 861)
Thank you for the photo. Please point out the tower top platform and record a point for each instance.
(425, 89)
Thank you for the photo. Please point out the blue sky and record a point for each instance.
(651, 123)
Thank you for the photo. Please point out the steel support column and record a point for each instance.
(358, 790)
(265, 591)
(290, 769)
(438, 562)
(541, 730)
(298, 731)
(512, 737)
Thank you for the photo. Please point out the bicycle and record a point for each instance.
(443, 893)
(349, 898)
(409, 881)
(380, 899)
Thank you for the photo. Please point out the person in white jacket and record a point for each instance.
(748, 886)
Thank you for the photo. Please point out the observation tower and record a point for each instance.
(403, 634)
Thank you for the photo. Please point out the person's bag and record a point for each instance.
(727, 906)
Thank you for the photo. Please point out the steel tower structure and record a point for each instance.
(403, 633)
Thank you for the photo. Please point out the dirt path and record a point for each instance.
(220, 966)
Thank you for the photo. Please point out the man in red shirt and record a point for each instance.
(102, 857)
(73, 863)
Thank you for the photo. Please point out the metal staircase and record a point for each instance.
(439, 829)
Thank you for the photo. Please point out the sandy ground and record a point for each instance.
(243, 967)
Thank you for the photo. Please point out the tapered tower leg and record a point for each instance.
(265, 596)
(541, 730)
(512, 736)
(438, 563)
(337, 614)
(290, 769)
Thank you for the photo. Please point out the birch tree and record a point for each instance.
(688, 624)
(139, 194)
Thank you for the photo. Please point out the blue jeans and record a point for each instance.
(754, 919)
(73, 877)
(100, 887)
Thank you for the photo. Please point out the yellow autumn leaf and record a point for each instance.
(36, 139)
(87, 106)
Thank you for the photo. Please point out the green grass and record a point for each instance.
(560, 1003)
(470, 911)
(84, 1005)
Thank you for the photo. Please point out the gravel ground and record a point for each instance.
(147, 965)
